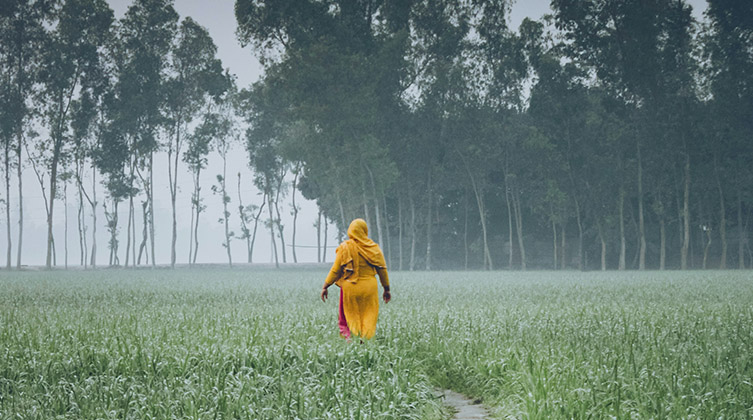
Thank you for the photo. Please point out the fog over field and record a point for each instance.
(547, 213)
(259, 344)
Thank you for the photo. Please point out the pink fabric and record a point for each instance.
(341, 322)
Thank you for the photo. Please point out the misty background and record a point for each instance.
(219, 20)
(242, 62)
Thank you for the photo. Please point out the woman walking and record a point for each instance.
(357, 261)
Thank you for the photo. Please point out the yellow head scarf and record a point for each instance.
(359, 244)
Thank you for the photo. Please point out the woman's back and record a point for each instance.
(357, 262)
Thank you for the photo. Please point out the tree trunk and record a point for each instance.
(225, 214)
(131, 229)
(519, 228)
(387, 231)
(412, 262)
(366, 214)
(93, 203)
(580, 234)
(376, 206)
(465, 228)
(145, 214)
(295, 212)
(256, 225)
(479, 193)
(554, 245)
(53, 191)
(172, 172)
(603, 247)
(174, 237)
(242, 213)
(663, 244)
(342, 209)
(641, 224)
(400, 231)
(40, 179)
(740, 232)
(195, 234)
(509, 223)
(563, 247)
(722, 219)
(80, 216)
(144, 231)
(130, 216)
(133, 232)
(636, 254)
(57, 136)
(81, 232)
(482, 215)
(319, 237)
(324, 254)
(7, 204)
(723, 234)
(19, 169)
(621, 203)
(272, 231)
(150, 198)
(193, 221)
(65, 216)
(707, 246)
(112, 225)
(279, 219)
(428, 223)
(686, 215)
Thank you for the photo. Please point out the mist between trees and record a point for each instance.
(611, 134)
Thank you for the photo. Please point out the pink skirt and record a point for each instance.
(341, 321)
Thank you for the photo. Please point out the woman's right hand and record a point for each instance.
(324, 294)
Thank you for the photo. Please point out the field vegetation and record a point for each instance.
(255, 344)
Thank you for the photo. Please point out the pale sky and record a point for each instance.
(218, 17)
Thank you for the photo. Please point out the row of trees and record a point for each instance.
(610, 134)
(88, 101)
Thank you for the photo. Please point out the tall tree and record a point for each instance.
(247, 213)
(23, 32)
(145, 40)
(195, 158)
(728, 46)
(341, 47)
(71, 57)
(641, 52)
(264, 157)
(214, 131)
(196, 74)
(224, 136)
(83, 118)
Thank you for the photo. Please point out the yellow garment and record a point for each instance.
(357, 261)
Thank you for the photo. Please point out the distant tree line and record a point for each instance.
(612, 134)
(86, 100)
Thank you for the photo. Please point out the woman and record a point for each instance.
(357, 260)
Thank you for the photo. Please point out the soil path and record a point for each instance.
(465, 408)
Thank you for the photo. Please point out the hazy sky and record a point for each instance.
(218, 17)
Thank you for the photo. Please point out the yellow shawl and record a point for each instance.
(359, 244)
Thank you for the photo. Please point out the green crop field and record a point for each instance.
(256, 344)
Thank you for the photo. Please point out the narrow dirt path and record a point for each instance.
(465, 408)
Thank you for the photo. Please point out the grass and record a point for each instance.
(229, 344)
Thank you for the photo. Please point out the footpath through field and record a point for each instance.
(465, 408)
